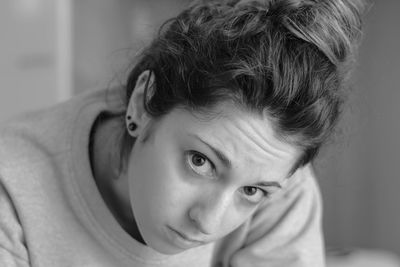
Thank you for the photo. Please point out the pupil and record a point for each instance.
(250, 190)
(198, 160)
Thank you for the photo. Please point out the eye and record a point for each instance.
(200, 164)
(253, 194)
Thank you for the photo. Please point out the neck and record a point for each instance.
(111, 181)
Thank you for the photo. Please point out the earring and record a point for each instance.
(132, 126)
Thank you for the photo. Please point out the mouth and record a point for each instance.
(182, 240)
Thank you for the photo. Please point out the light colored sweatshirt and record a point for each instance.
(52, 214)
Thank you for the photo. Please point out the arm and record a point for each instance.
(13, 252)
(284, 232)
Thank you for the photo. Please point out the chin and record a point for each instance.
(168, 242)
(161, 245)
(166, 249)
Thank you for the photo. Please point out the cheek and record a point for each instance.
(156, 182)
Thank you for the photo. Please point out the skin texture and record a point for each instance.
(181, 188)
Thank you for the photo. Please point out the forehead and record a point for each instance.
(247, 139)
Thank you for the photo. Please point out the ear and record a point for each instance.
(136, 115)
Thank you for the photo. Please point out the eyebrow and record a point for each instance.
(222, 157)
(267, 184)
(227, 162)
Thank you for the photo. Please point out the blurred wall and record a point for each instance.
(358, 172)
(109, 34)
(28, 55)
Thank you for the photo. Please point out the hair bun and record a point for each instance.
(333, 26)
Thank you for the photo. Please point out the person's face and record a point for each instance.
(196, 179)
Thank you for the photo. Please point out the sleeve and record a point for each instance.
(13, 251)
(284, 232)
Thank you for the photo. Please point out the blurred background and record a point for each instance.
(51, 50)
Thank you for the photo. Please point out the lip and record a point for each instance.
(182, 240)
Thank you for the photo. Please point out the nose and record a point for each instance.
(208, 213)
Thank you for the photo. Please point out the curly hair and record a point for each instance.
(289, 59)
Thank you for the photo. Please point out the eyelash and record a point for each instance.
(265, 194)
(188, 157)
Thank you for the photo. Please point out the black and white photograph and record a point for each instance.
(199, 133)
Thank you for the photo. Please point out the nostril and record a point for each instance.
(192, 215)
(202, 230)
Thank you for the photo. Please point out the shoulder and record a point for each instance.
(46, 132)
(287, 229)
(299, 199)
(303, 184)
(12, 249)
(301, 189)
(26, 136)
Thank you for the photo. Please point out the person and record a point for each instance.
(203, 158)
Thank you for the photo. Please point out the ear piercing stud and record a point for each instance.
(131, 125)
